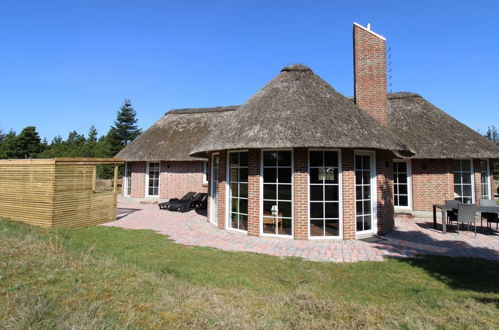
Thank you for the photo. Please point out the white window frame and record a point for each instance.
(340, 196)
(260, 225)
(472, 178)
(409, 186)
(374, 194)
(127, 181)
(147, 180)
(491, 196)
(205, 170)
(213, 220)
(228, 190)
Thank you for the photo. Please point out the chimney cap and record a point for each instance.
(368, 29)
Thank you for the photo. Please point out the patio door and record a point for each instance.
(365, 185)
(215, 165)
(485, 177)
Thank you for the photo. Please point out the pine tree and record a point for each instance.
(125, 128)
(492, 134)
(92, 134)
(29, 144)
(8, 146)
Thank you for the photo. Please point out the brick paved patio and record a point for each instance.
(410, 238)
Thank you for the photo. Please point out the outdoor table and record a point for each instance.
(445, 208)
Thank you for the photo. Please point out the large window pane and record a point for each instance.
(270, 158)
(316, 193)
(324, 193)
(284, 159)
(277, 192)
(270, 174)
(284, 175)
(284, 192)
(269, 191)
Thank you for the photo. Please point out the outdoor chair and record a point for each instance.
(187, 205)
(171, 201)
(452, 214)
(491, 217)
(203, 203)
(466, 214)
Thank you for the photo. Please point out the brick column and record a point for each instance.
(348, 190)
(300, 193)
(478, 179)
(254, 192)
(222, 190)
(384, 183)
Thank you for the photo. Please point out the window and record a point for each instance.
(324, 194)
(238, 184)
(152, 179)
(128, 179)
(363, 192)
(401, 187)
(205, 172)
(277, 193)
(484, 171)
(463, 190)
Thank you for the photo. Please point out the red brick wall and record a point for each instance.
(370, 74)
(432, 182)
(178, 178)
(348, 188)
(300, 191)
(138, 179)
(384, 183)
(222, 191)
(254, 192)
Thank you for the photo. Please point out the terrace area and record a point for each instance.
(410, 238)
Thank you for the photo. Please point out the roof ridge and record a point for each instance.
(202, 110)
(401, 95)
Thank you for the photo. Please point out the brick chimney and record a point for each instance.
(369, 52)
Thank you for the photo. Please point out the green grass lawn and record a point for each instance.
(102, 277)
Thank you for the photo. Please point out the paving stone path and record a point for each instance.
(410, 238)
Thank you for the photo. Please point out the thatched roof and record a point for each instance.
(431, 133)
(299, 109)
(173, 136)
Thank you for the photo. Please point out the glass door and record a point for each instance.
(485, 174)
(215, 164)
(364, 187)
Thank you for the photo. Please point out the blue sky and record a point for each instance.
(67, 65)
